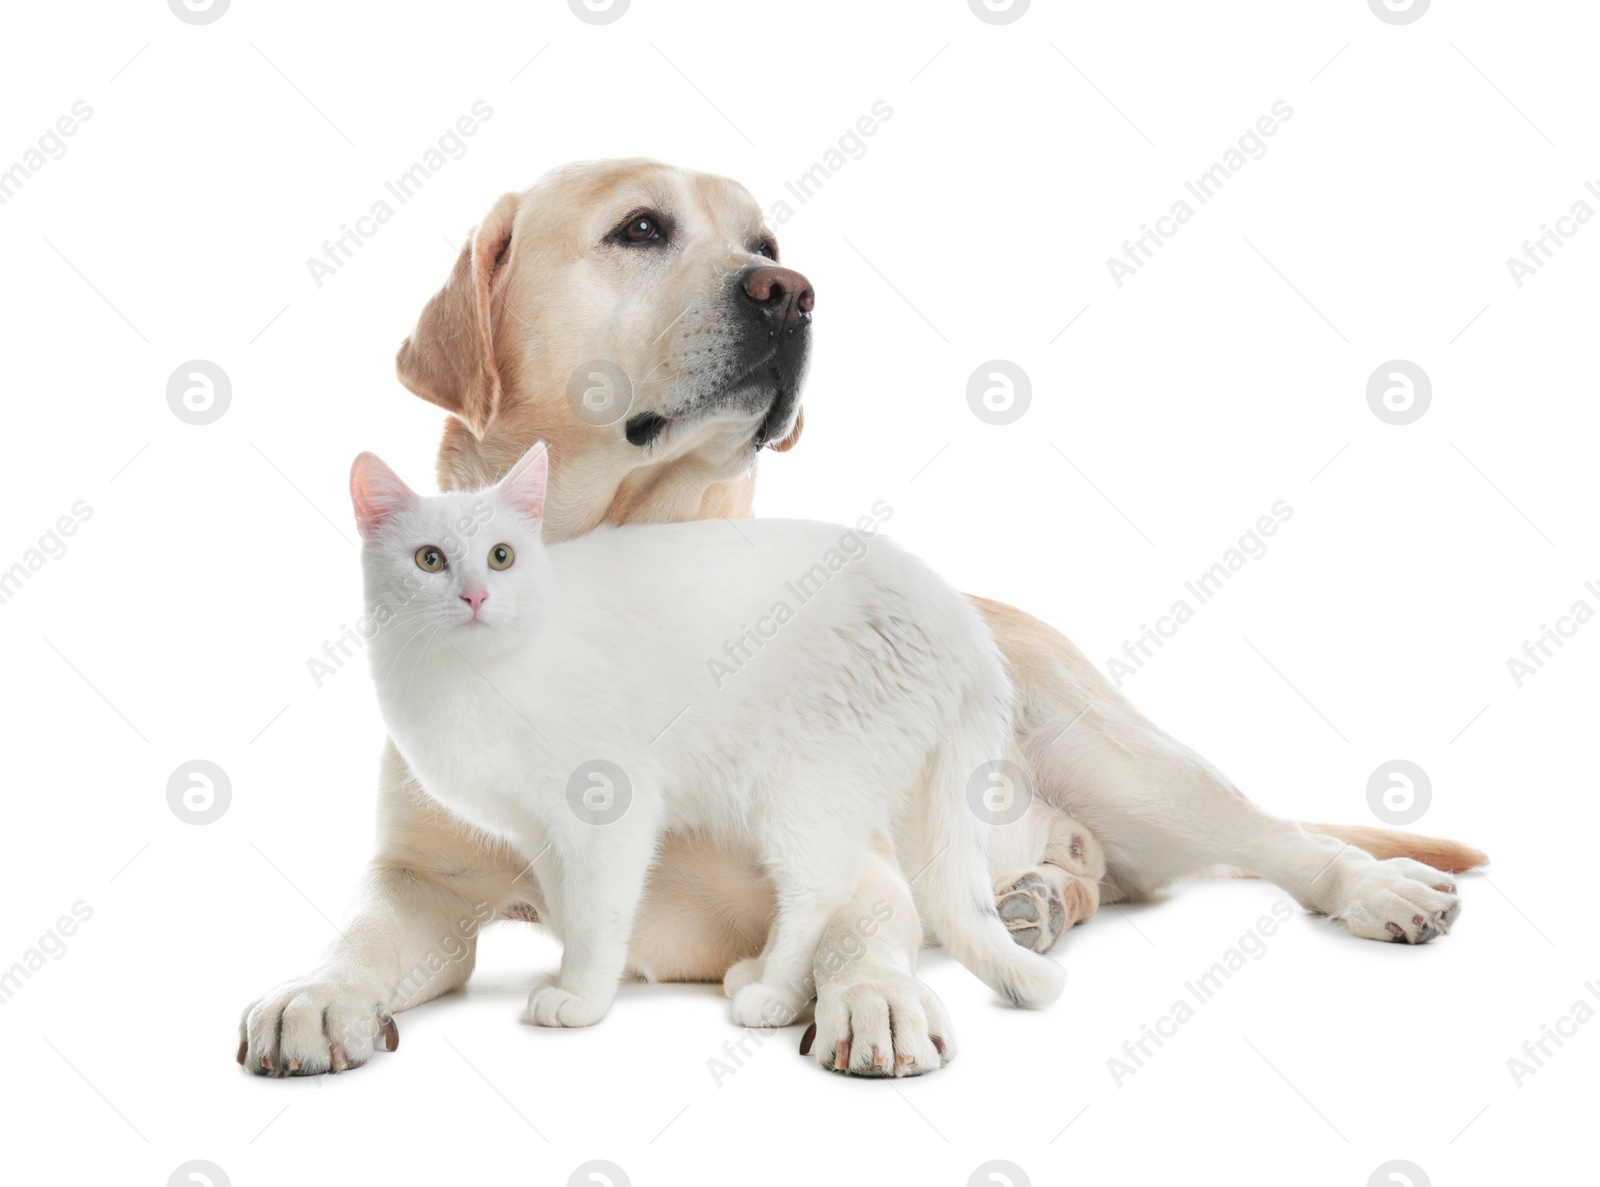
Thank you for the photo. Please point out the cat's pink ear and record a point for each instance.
(377, 493)
(524, 487)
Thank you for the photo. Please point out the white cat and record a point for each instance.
(782, 687)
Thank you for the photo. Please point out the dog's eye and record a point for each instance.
(429, 559)
(767, 248)
(641, 228)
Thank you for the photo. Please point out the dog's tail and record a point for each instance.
(1450, 856)
(953, 890)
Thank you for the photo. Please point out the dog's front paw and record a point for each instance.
(1398, 900)
(889, 1024)
(314, 1025)
(551, 1005)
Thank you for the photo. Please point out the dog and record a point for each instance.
(637, 318)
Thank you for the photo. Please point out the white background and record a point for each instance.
(1227, 374)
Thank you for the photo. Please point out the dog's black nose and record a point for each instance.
(782, 294)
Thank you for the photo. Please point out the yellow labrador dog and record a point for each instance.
(635, 317)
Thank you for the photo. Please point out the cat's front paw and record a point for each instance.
(551, 1005)
(745, 972)
(759, 1004)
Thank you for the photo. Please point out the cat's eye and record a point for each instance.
(429, 559)
(501, 556)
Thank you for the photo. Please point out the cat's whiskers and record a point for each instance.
(404, 620)
(422, 653)
(415, 635)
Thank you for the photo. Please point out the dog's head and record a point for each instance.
(632, 315)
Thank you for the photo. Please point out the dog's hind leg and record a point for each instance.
(1163, 812)
(1160, 811)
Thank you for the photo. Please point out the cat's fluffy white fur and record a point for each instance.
(781, 687)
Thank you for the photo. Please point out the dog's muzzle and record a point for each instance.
(774, 308)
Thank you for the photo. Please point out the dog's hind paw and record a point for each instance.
(1035, 915)
(1400, 901)
(1039, 905)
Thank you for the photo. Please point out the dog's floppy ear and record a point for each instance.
(449, 358)
(793, 438)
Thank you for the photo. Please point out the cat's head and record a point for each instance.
(467, 566)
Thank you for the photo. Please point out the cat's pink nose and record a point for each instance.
(475, 598)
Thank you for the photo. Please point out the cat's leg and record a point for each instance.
(873, 1016)
(592, 890)
(773, 988)
(414, 936)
